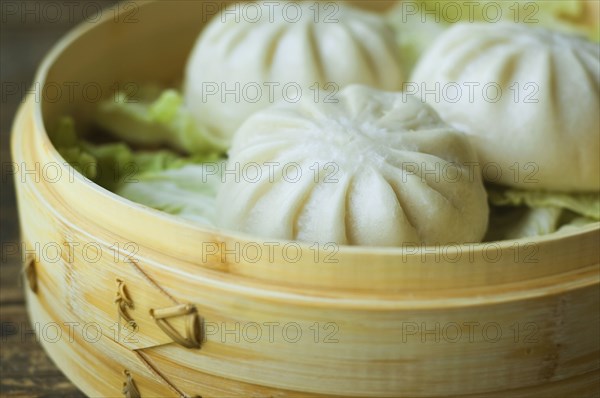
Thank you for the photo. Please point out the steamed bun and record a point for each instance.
(536, 124)
(285, 56)
(375, 169)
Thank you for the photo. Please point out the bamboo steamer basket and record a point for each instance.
(508, 319)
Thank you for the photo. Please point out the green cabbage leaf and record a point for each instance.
(154, 118)
(185, 186)
(518, 214)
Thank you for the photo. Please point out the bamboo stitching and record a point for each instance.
(158, 374)
(30, 273)
(151, 281)
(124, 302)
(192, 330)
(178, 310)
(129, 388)
(192, 337)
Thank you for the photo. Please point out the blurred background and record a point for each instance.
(28, 30)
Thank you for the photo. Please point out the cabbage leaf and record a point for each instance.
(145, 120)
(189, 192)
(517, 213)
(161, 179)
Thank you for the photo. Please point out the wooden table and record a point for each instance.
(28, 30)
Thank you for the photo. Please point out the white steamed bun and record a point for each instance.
(280, 52)
(541, 131)
(376, 169)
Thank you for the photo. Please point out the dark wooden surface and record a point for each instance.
(28, 30)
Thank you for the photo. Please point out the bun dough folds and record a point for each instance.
(538, 122)
(375, 169)
(240, 65)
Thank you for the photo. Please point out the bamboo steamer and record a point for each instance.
(219, 314)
